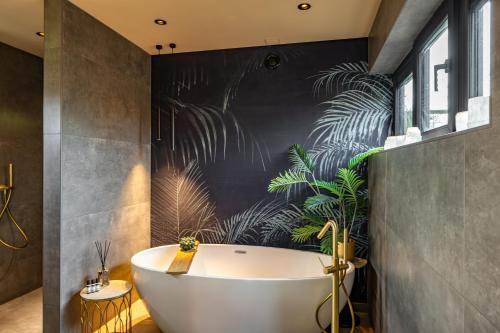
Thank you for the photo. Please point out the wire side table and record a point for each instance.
(108, 310)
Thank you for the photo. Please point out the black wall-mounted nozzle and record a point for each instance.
(159, 47)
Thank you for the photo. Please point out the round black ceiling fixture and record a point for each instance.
(160, 22)
(304, 6)
(40, 34)
(272, 61)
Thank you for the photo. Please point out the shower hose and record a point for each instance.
(327, 298)
(7, 195)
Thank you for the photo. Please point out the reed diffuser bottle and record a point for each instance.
(103, 271)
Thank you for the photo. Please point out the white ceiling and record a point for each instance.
(220, 24)
(201, 24)
(19, 21)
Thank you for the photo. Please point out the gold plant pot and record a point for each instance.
(351, 245)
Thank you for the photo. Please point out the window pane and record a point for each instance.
(405, 103)
(482, 33)
(434, 67)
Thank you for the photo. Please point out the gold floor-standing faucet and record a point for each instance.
(335, 270)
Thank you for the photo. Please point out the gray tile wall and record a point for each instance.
(435, 230)
(99, 121)
(21, 109)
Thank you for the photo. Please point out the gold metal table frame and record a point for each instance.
(108, 310)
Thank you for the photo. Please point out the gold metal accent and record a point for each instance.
(107, 315)
(7, 195)
(338, 271)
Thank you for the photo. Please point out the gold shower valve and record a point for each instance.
(6, 190)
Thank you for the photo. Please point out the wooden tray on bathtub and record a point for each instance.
(182, 261)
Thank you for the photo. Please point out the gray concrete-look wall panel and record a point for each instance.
(123, 227)
(52, 165)
(482, 226)
(418, 298)
(113, 170)
(433, 169)
(99, 85)
(475, 322)
(425, 198)
(95, 91)
(52, 91)
(376, 235)
(377, 200)
(84, 36)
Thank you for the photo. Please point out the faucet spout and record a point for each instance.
(326, 227)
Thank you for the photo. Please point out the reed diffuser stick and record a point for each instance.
(102, 251)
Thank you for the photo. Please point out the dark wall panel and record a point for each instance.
(21, 82)
(233, 121)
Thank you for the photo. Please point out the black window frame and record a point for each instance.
(458, 13)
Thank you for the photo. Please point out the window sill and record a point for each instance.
(442, 137)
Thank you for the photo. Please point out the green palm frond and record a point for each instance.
(302, 234)
(285, 181)
(300, 159)
(332, 187)
(360, 158)
(326, 243)
(351, 182)
(320, 201)
(314, 218)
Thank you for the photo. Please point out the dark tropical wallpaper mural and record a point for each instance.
(222, 125)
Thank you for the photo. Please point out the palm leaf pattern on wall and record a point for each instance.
(181, 205)
(244, 227)
(359, 116)
(184, 77)
(205, 129)
(356, 117)
(253, 64)
(280, 226)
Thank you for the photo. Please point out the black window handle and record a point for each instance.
(446, 67)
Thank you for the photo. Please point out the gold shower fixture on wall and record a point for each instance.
(5, 212)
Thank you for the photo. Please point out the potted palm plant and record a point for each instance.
(343, 199)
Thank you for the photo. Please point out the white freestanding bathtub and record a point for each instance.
(236, 289)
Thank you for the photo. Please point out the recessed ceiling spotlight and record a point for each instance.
(304, 6)
(40, 34)
(160, 22)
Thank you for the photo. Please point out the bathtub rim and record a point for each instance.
(134, 263)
